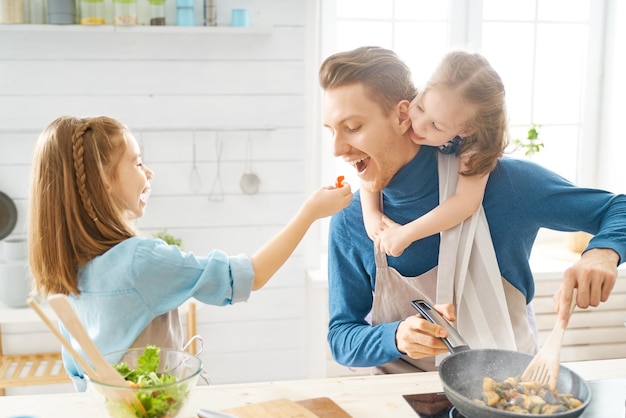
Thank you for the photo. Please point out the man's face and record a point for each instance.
(377, 146)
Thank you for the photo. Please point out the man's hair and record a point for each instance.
(72, 216)
(386, 78)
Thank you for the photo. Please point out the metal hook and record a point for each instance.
(217, 191)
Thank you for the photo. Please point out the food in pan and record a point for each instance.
(513, 395)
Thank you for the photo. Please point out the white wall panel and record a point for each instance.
(232, 240)
(159, 77)
(273, 307)
(174, 178)
(174, 87)
(154, 111)
(283, 43)
(235, 368)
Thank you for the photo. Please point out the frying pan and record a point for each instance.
(462, 373)
(8, 215)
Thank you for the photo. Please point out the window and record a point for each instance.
(548, 53)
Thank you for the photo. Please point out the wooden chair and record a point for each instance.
(191, 327)
(30, 369)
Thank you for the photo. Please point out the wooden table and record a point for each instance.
(361, 397)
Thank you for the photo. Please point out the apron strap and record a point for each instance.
(379, 256)
(468, 274)
(457, 240)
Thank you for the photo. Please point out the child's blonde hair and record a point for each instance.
(472, 77)
(72, 216)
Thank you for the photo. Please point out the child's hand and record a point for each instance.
(328, 200)
(393, 240)
(374, 226)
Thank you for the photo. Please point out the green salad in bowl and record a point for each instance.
(161, 378)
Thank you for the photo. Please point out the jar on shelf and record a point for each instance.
(92, 12)
(157, 12)
(125, 12)
(185, 15)
(11, 11)
(61, 12)
(35, 12)
(210, 12)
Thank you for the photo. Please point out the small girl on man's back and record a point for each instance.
(89, 184)
(461, 110)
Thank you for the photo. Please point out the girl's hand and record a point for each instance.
(329, 200)
(393, 240)
(374, 226)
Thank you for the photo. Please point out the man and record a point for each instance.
(366, 99)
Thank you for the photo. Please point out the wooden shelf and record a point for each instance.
(211, 30)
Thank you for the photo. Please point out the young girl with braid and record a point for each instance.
(89, 184)
(460, 111)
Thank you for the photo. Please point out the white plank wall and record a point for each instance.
(173, 87)
(592, 334)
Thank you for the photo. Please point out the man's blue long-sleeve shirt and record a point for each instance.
(520, 198)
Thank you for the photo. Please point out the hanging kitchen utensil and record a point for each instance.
(8, 215)
(249, 182)
(217, 191)
(195, 182)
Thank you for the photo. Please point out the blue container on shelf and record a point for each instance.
(185, 15)
(240, 18)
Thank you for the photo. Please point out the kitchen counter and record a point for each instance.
(361, 397)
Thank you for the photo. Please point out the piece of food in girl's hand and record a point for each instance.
(339, 182)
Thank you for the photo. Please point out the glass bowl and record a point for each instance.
(157, 399)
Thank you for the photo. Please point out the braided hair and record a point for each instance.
(72, 216)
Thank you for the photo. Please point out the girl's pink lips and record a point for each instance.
(416, 137)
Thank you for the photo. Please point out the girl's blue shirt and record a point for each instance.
(124, 289)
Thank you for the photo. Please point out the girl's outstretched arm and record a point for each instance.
(451, 212)
(372, 215)
(270, 257)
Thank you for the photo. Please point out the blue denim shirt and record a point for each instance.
(520, 198)
(124, 289)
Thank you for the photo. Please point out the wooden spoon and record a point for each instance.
(106, 373)
(55, 330)
(544, 367)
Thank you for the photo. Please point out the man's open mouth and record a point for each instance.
(361, 164)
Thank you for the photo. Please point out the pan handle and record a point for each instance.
(454, 342)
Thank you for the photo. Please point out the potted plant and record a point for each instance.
(170, 239)
(532, 144)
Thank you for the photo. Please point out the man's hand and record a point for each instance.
(418, 337)
(594, 276)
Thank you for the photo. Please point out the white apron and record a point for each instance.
(164, 331)
(467, 267)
